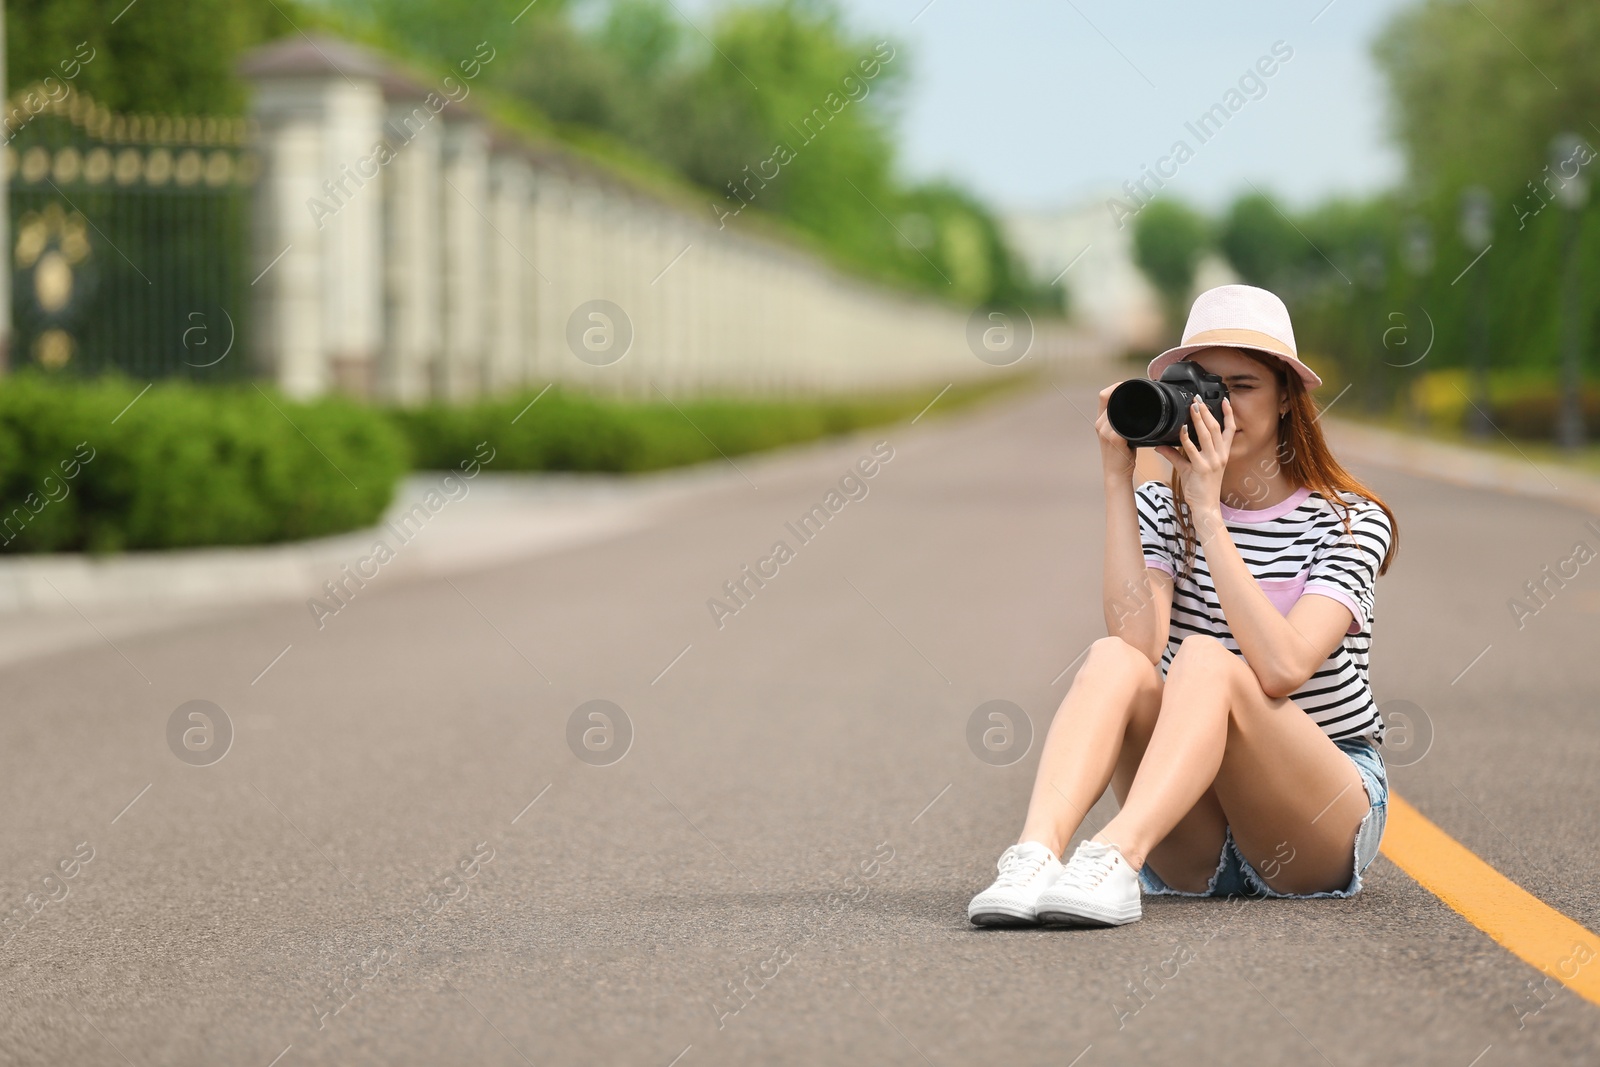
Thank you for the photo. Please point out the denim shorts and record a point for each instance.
(1235, 877)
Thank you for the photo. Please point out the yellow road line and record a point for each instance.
(1522, 923)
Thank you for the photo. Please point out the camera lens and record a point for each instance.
(1140, 409)
(1149, 412)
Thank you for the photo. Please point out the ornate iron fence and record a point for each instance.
(130, 239)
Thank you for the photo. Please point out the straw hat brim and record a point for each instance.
(1172, 355)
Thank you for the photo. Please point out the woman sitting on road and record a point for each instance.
(1230, 713)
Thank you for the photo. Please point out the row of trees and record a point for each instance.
(1375, 282)
(161, 56)
(779, 109)
(779, 112)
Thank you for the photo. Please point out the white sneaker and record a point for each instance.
(1097, 887)
(1025, 870)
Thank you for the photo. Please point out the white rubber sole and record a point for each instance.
(1082, 913)
(1002, 915)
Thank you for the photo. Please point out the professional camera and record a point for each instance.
(1147, 412)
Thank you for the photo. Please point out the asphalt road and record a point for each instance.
(797, 810)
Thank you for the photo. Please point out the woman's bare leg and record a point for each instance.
(1081, 750)
(1182, 759)
(1261, 757)
(1187, 857)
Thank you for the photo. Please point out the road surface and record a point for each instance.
(412, 852)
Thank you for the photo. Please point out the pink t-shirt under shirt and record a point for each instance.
(1294, 547)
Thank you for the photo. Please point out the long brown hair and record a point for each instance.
(1304, 458)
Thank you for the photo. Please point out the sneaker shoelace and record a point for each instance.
(1088, 867)
(1018, 868)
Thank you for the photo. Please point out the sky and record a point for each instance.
(1044, 104)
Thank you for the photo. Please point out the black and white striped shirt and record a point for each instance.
(1296, 546)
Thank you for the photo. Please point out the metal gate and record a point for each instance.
(130, 239)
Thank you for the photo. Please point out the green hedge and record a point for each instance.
(1535, 414)
(184, 465)
(567, 431)
(99, 466)
(1524, 403)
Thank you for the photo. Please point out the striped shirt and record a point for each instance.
(1296, 546)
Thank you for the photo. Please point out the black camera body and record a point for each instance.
(1148, 413)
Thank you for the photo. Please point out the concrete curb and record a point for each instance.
(511, 516)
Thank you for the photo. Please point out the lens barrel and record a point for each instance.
(1147, 412)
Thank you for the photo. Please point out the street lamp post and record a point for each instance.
(5, 222)
(1417, 247)
(1416, 251)
(1572, 194)
(1476, 233)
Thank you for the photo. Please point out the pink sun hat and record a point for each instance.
(1238, 316)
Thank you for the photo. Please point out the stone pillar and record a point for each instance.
(414, 303)
(287, 259)
(634, 228)
(319, 107)
(549, 320)
(567, 262)
(536, 288)
(696, 298)
(466, 247)
(586, 265)
(669, 295)
(511, 285)
(603, 245)
(560, 259)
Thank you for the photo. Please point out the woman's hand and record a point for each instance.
(1201, 462)
(1117, 457)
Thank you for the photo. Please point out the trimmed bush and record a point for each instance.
(96, 465)
(184, 465)
(575, 432)
(1536, 414)
(1524, 403)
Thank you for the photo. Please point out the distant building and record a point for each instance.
(1081, 249)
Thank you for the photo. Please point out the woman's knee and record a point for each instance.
(1113, 650)
(1112, 658)
(1201, 645)
(1205, 653)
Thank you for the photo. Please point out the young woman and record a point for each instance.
(1228, 707)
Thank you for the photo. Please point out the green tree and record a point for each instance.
(1259, 242)
(172, 56)
(1169, 238)
(783, 112)
(786, 80)
(814, 145)
(444, 32)
(645, 36)
(573, 82)
(1478, 90)
(963, 238)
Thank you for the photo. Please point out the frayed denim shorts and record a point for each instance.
(1235, 877)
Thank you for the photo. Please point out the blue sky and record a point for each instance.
(1042, 103)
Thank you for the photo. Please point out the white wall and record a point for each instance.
(459, 268)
